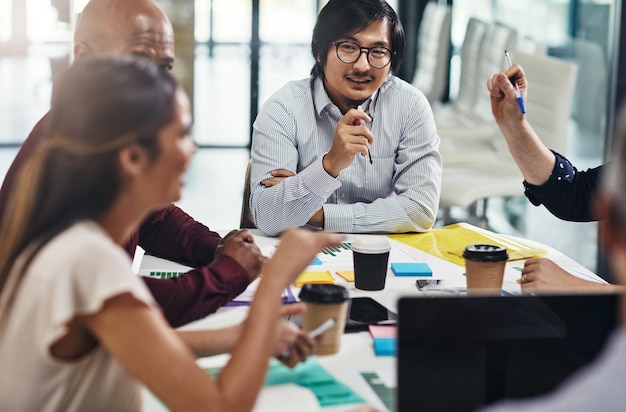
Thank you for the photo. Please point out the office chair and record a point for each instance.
(552, 82)
(433, 51)
(464, 101)
(246, 221)
(468, 134)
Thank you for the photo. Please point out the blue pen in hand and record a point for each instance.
(520, 99)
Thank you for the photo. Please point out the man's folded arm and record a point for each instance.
(293, 201)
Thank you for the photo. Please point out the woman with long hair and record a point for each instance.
(79, 330)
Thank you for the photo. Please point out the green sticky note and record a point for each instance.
(310, 374)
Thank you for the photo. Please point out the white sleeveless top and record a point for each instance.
(75, 273)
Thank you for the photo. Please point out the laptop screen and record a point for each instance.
(459, 353)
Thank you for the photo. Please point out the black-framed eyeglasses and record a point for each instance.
(349, 52)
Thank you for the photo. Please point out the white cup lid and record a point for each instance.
(371, 244)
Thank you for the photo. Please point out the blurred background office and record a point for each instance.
(233, 54)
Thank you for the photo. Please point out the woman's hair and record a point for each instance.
(341, 18)
(99, 106)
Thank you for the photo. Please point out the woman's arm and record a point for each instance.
(143, 343)
(288, 336)
(140, 339)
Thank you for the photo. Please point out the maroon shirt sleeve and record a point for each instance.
(172, 234)
(199, 292)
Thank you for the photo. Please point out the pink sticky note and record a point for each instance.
(382, 331)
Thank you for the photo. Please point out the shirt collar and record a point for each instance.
(321, 100)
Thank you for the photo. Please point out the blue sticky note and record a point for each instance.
(385, 346)
(411, 269)
(316, 262)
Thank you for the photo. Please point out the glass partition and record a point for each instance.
(578, 31)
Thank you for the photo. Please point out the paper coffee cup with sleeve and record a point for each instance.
(484, 268)
(324, 302)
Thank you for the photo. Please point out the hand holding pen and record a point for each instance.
(351, 138)
(518, 93)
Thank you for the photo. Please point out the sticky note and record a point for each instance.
(411, 269)
(385, 346)
(384, 339)
(311, 375)
(316, 262)
(314, 277)
(346, 274)
(380, 331)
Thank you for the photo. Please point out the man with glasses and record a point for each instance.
(353, 148)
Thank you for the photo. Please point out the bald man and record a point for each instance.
(224, 267)
(137, 27)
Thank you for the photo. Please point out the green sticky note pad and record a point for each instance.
(310, 374)
(411, 269)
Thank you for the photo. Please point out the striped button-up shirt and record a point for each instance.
(398, 192)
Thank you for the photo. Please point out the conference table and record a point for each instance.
(356, 365)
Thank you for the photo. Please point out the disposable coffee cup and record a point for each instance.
(484, 268)
(371, 257)
(323, 302)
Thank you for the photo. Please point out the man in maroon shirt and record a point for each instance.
(140, 27)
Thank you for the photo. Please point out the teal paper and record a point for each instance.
(310, 374)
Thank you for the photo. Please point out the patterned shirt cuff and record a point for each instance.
(338, 218)
(318, 181)
(563, 171)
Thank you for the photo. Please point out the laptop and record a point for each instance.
(460, 353)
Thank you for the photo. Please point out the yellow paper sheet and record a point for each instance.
(448, 242)
(314, 277)
(346, 274)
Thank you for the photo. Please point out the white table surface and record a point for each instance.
(356, 353)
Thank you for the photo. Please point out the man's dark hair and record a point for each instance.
(341, 18)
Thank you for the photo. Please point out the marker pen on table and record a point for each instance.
(369, 154)
(520, 99)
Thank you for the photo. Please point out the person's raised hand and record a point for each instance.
(240, 245)
(296, 251)
(351, 137)
(278, 176)
(504, 106)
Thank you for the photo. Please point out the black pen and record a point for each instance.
(369, 152)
